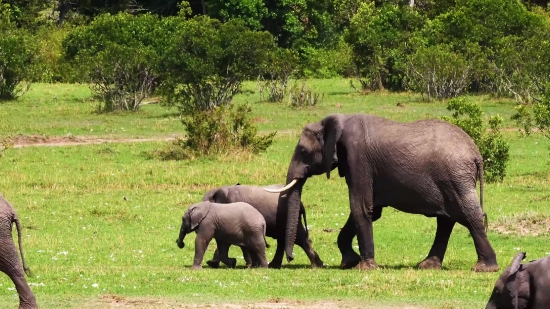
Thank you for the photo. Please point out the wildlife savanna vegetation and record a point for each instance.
(145, 105)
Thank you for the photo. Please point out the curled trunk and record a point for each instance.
(183, 232)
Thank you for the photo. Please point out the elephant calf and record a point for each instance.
(267, 204)
(9, 260)
(523, 286)
(230, 224)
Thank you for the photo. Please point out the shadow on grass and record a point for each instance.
(164, 115)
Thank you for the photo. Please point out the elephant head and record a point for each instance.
(191, 220)
(512, 287)
(315, 154)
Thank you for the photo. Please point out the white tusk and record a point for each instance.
(290, 185)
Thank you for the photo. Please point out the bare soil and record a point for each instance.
(42, 140)
(20, 141)
(116, 301)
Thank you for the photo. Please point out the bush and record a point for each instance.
(206, 63)
(279, 66)
(5, 143)
(494, 149)
(438, 72)
(220, 130)
(118, 55)
(16, 61)
(535, 115)
(49, 57)
(304, 96)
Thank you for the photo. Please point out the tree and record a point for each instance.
(206, 63)
(119, 55)
(378, 37)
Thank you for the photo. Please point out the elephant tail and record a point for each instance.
(15, 219)
(479, 166)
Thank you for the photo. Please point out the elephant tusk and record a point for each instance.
(290, 185)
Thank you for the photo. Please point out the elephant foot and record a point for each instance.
(274, 265)
(196, 267)
(248, 265)
(232, 263)
(318, 264)
(367, 264)
(213, 264)
(483, 266)
(350, 261)
(432, 262)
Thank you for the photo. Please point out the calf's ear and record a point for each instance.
(198, 213)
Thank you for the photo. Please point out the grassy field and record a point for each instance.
(88, 246)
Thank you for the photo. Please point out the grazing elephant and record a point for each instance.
(427, 167)
(230, 224)
(266, 203)
(9, 259)
(523, 286)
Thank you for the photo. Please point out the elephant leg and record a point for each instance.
(257, 251)
(223, 248)
(215, 261)
(350, 258)
(246, 256)
(473, 221)
(305, 243)
(277, 260)
(201, 243)
(361, 206)
(11, 266)
(439, 247)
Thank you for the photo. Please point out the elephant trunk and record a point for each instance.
(491, 304)
(183, 232)
(293, 203)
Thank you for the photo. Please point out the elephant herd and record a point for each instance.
(427, 167)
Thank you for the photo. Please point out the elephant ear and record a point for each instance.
(198, 213)
(332, 131)
(514, 268)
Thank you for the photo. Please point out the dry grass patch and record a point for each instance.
(525, 224)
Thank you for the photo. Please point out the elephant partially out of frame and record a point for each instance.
(522, 286)
(9, 258)
(267, 204)
(427, 167)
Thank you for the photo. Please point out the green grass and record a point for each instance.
(80, 231)
(60, 109)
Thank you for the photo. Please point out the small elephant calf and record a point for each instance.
(523, 286)
(230, 224)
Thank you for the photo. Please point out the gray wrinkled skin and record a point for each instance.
(426, 167)
(266, 203)
(236, 224)
(9, 258)
(522, 286)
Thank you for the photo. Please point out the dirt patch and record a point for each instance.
(526, 224)
(116, 301)
(70, 140)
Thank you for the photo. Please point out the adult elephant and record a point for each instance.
(427, 167)
(275, 218)
(9, 260)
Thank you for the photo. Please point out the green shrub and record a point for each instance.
(280, 65)
(17, 51)
(221, 130)
(50, 64)
(494, 149)
(207, 61)
(327, 63)
(5, 143)
(536, 115)
(438, 72)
